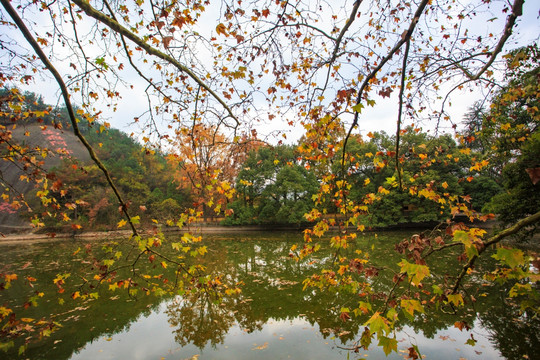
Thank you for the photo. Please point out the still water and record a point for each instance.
(272, 318)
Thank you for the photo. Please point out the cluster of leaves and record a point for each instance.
(510, 129)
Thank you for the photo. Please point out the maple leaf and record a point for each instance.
(388, 344)
(167, 40)
(344, 316)
(461, 325)
(413, 354)
(178, 21)
(386, 92)
(221, 29)
(534, 174)
(239, 39)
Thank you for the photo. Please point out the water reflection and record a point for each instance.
(272, 317)
(272, 290)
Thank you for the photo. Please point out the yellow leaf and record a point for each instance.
(221, 29)
(122, 223)
(505, 126)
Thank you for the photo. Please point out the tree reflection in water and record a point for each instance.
(272, 293)
(272, 290)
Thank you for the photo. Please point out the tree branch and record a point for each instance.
(400, 110)
(494, 240)
(517, 11)
(348, 24)
(65, 94)
(404, 38)
(114, 25)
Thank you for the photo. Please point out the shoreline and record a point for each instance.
(32, 238)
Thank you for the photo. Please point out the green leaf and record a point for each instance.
(6, 346)
(136, 220)
(108, 262)
(391, 180)
(365, 340)
(377, 324)
(510, 257)
(410, 306)
(101, 62)
(392, 316)
(461, 236)
(415, 272)
(388, 344)
(22, 349)
(471, 342)
(455, 299)
(464, 238)
(520, 289)
(358, 108)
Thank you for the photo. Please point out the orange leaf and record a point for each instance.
(221, 29)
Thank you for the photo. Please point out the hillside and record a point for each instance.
(77, 190)
(62, 144)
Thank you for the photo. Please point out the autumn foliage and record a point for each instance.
(196, 150)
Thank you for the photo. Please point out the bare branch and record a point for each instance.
(400, 110)
(517, 11)
(404, 38)
(113, 24)
(65, 94)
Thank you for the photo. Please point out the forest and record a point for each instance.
(212, 112)
(275, 185)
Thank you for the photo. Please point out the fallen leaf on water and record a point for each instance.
(263, 346)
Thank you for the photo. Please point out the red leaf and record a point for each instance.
(344, 316)
(167, 40)
(534, 174)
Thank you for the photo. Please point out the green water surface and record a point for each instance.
(272, 318)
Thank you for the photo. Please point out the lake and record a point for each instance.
(272, 318)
